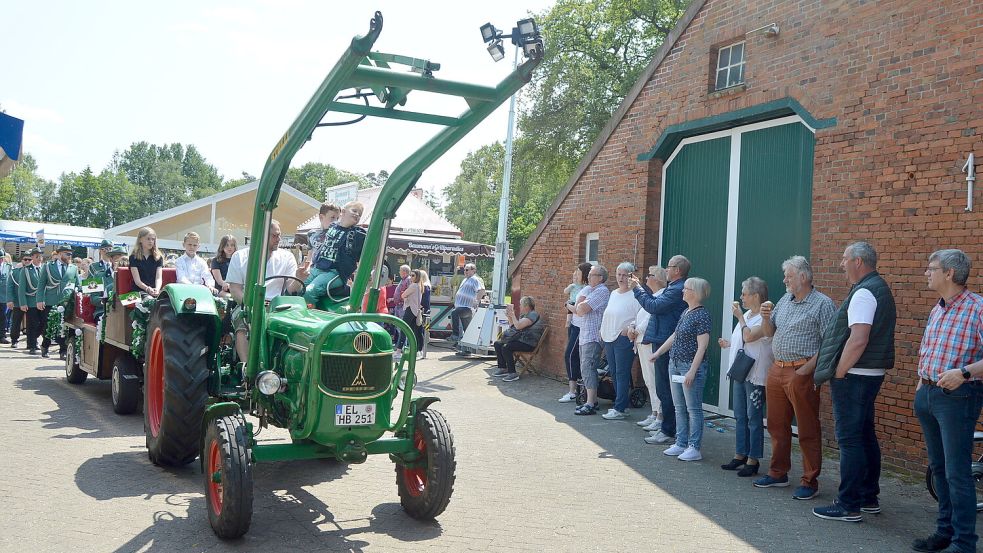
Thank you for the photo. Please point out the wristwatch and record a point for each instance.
(966, 373)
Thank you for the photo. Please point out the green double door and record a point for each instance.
(736, 204)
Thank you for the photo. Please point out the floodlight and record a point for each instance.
(528, 28)
(496, 51)
(488, 32)
(533, 49)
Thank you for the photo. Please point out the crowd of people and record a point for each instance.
(780, 354)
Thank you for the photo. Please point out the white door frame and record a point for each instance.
(733, 196)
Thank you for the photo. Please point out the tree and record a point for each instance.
(314, 179)
(167, 175)
(473, 197)
(24, 194)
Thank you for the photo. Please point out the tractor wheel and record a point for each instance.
(175, 385)
(425, 491)
(126, 384)
(73, 372)
(228, 477)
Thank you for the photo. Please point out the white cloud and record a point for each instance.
(31, 113)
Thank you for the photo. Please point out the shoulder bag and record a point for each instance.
(741, 366)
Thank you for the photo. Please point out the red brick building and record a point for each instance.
(766, 129)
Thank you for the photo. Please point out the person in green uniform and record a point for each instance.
(13, 303)
(27, 294)
(56, 275)
(98, 269)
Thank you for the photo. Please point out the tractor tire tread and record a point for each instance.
(237, 507)
(442, 469)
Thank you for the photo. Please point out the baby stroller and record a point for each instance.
(637, 397)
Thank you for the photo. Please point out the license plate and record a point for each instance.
(354, 415)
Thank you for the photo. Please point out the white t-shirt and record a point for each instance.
(861, 311)
(621, 310)
(193, 270)
(280, 263)
(759, 350)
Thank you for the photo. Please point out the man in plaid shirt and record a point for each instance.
(589, 307)
(948, 398)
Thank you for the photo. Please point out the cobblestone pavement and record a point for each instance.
(531, 477)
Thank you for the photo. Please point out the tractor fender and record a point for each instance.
(204, 303)
(422, 402)
(212, 412)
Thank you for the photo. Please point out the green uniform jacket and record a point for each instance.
(101, 269)
(27, 286)
(52, 285)
(10, 285)
(4, 273)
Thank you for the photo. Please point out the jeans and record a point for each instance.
(948, 422)
(664, 392)
(318, 284)
(571, 356)
(505, 352)
(590, 359)
(460, 319)
(689, 404)
(860, 455)
(620, 356)
(749, 405)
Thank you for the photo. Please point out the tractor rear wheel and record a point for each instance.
(425, 491)
(126, 384)
(175, 385)
(73, 372)
(228, 477)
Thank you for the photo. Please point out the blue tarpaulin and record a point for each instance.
(11, 142)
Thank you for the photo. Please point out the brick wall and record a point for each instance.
(904, 81)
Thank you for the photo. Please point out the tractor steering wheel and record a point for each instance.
(285, 291)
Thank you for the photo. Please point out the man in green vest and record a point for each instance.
(857, 349)
(27, 294)
(4, 312)
(13, 303)
(56, 275)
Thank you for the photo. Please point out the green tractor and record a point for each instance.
(326, 373)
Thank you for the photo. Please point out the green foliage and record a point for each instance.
(24, 194)
(314, 179)
(174, 173)
(595, 52)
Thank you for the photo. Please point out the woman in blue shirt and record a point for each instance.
(688, 369)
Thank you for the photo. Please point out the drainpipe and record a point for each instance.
(970, 169)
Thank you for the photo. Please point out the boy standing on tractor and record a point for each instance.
(192, 269)
(336, 258)
(327, 215)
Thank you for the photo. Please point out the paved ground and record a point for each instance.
(531, 476)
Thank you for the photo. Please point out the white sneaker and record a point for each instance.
(655, 426)
(614, 415)
(657, 438)
(568, 398)
(646, 421)
(674, 451)
(691, 454)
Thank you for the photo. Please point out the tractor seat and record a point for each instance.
(84, 309)
(334, 298)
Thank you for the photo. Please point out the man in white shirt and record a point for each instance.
(192, 269)
(278, 263)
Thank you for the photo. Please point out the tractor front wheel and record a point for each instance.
(126, 384)
(228, 477)
(73, 372)
(175, 383)
(425, 490)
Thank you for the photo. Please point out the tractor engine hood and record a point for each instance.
(299, 328)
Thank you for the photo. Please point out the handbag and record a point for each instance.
(741, 366)
(419, 318)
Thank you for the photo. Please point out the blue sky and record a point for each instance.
(90, 78)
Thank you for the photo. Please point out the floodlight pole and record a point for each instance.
(500, 274)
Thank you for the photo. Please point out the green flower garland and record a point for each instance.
(141, 317)
(56, 323)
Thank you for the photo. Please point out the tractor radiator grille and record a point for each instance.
(356, 375)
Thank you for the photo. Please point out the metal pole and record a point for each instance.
(500, 275)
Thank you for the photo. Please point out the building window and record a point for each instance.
(592, 245)
(730, 66)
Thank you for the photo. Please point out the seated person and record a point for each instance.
(147, 263)
(278, 263)
(334, 261)
(191, 269)
(523, 334)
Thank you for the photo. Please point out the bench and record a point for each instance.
(524, 358)
(124, 279)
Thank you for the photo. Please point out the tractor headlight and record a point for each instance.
(269, 382)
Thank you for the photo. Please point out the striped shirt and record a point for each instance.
(468, 291)
(953, 336)
(590, 324)
(799, 325)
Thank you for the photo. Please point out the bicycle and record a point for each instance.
(977, 475)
